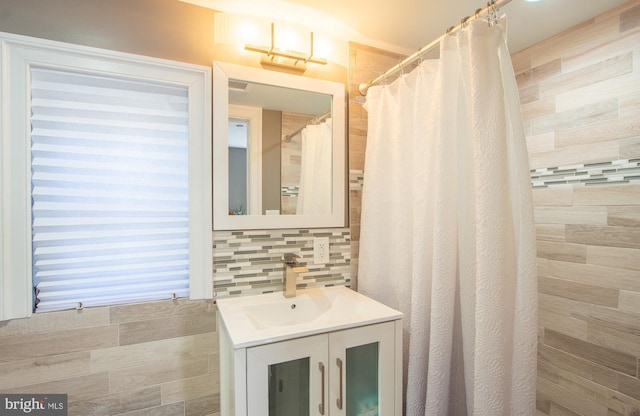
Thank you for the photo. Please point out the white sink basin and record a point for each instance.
(291, 311)
(254, 320)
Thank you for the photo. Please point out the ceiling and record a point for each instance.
(411, 24)
(404, 26)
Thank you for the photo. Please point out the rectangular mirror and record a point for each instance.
(278, 150)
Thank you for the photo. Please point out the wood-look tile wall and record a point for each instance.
(157, 358)
(580, 95)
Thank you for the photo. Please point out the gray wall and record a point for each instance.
(271, 159)
(162, 28)
(237, 178)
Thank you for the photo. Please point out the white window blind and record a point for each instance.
(110, 189)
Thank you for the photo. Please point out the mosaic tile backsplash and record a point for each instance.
(250, 262)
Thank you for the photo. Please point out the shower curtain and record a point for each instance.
(447, 233)
(314, 194)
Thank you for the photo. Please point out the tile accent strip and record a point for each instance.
(616, 171)
(292, 190)
(250, 262)
(356, 178)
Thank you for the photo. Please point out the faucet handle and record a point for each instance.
(290, 258)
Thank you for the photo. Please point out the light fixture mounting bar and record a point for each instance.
(299, 58)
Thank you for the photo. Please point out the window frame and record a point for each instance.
(17, 55)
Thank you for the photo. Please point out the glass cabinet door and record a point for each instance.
(289, 388)
(362, 381)
(288, 378)
(362, 390)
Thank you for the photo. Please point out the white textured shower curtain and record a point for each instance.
(447, 231)
(314, 194)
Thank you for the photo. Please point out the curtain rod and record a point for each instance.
(316, 120)
(492, 5)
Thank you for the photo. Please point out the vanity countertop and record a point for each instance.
(262, 319)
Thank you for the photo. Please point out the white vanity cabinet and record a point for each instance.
(348, 372)
(349, 364)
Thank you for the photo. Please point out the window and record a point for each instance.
(106, 191)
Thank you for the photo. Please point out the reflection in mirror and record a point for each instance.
(293, 146)
(238, 166)
(245, 161)
(314, 173)
(283, 155)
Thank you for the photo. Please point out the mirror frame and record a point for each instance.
(222, 73)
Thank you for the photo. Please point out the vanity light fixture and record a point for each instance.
(279, 58)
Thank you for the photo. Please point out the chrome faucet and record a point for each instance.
(291, 270)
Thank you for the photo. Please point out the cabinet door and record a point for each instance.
(363, 371)
(288, 378)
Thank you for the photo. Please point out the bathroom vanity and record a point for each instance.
(328, 351)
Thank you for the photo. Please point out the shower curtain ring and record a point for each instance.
(492, 13)
(463, 22)
(450, 30)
